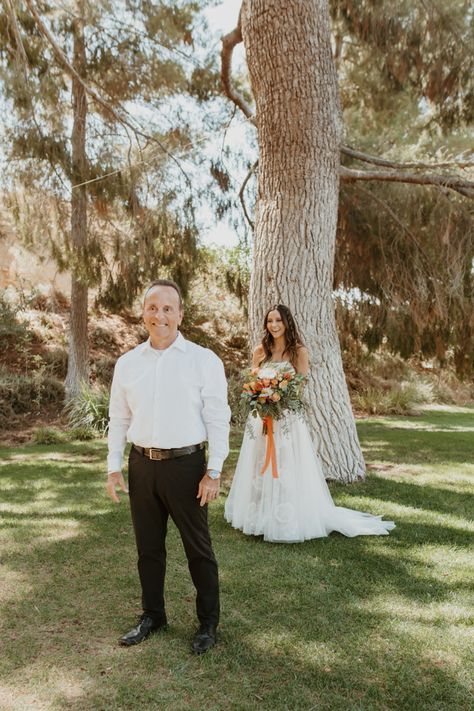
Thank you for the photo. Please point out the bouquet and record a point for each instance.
(270, 392)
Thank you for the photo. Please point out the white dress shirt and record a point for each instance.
(170, 398)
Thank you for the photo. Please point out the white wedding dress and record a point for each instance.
(297, 505)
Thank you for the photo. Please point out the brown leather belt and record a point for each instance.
(159, 454)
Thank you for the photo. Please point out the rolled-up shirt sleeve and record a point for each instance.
(215, 411)
(119, 421)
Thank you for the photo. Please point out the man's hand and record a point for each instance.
(208, 489)
(115, 479)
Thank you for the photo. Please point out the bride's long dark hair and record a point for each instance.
(293, 339)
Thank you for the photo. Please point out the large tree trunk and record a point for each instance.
(294, 83)
(78, 363)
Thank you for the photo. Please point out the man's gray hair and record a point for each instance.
(165, 282)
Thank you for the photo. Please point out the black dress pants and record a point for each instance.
(159, 489)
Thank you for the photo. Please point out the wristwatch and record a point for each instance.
(213, 473)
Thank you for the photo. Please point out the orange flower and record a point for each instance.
(276, 397)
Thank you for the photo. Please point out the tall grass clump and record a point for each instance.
(48, 435)
(400, 399)
(89, 410)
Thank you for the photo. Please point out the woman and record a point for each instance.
(297, 505)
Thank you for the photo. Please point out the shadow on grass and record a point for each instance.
(412, 495)
(383, 440)
(301, 625)
(441, 420)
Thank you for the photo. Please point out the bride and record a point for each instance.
(297, 505)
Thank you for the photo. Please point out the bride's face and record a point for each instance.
(275, 325)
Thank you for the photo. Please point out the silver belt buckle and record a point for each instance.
(155, 454)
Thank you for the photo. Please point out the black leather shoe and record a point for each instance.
(204, 639)
(146, 626)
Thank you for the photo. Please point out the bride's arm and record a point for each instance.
(257, 356)
(302, 363)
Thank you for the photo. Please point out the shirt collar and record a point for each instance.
(179, 343)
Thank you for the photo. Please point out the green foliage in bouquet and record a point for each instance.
(273, 390)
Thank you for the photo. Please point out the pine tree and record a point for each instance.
(73, 76)
(406, 78)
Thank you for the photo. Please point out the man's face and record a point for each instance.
(162, 315)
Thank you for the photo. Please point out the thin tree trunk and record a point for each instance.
(294, 83)
(78, 363)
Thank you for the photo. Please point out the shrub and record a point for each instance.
(238, 341)
(234, 391)
(103, 338)
(370, 400)
(420, 391)
(400, 399)
(81, 434)
(47, 388)
(15, 394)
(56, 361)
(90, 409)
(26, 393)
(48, 435)
(104, 369)
(443, 393)
(10, 326)
(51, 300)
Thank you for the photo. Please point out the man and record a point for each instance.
(168, 396)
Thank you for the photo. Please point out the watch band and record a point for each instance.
(213, 473)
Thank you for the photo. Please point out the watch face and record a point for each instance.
(213, 473)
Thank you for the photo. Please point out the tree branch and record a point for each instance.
(106, 106)
(464, 187)
(396, 219)
(241, 194)
(229, 41)
(376, 160)
(20, 53)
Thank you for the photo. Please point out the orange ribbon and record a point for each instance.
(270, 453)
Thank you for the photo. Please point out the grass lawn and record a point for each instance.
(335, 624)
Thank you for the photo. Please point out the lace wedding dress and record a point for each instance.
(297, 505)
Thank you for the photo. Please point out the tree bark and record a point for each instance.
(78, 362)
(298, 120)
